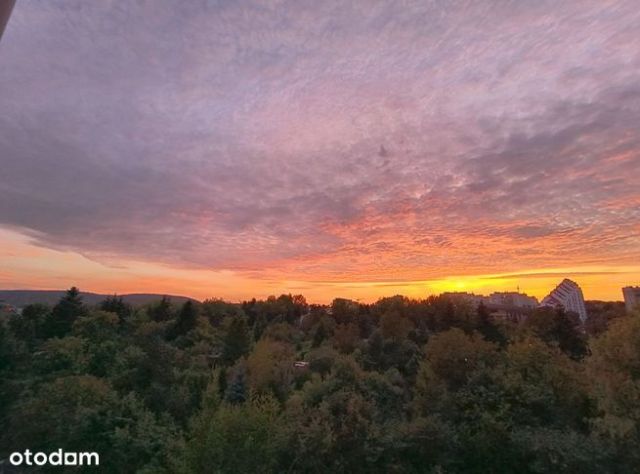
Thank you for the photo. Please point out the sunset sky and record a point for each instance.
(329, 148)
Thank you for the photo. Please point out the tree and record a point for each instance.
(100, 330)
(346, 337)
(65, 313)
(11, 351)
(186, 321)
(236, 339)
(373, 354)
(557, 327)
(321, 332)
(292, 307)
(453, 360)
(236, 391)
(115, 304)
(233, 439)
(344, 311)
(615, 370)
(30, 324)
(389, 391)
(571, 338)
(270, 367)
(97, 326)
(600, 314)
(61, 356)
(335, 424)
(216, 310)
(322, 359)
(161, 311)
(83, 414)
(545, 387)
(487, 326)
(394, 327)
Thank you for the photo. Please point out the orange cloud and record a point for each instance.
(27, 266)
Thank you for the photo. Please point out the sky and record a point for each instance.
(340, 148)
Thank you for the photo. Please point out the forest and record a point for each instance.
(279, 385)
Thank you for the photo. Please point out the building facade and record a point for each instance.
(512, 298)
(631, 297)
(568, 295)
(462, 296)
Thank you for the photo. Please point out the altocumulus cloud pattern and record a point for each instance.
(303, 138)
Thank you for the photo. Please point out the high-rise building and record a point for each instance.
(568, 295)
(631, 297)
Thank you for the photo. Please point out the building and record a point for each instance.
(512, 299)
(510, 305)
(462, 296)
(568, 295)
(631, 297)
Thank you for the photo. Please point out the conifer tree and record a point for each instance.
(236, 340)
(115, 304)
(487, 327)
(186, 321)
(64, 314)
(236, 391)
(163, 311)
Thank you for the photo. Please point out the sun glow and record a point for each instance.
(24, 264)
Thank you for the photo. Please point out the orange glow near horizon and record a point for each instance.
(28, 266)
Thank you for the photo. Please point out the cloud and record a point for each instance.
(562, 274)
(324, 141)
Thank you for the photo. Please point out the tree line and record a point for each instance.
(279, 385)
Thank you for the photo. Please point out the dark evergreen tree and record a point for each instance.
(115, 304)
(487, 326)
(447, 318)
(571, 338)
(259, 327)
(319, 335)
(186, 321)
(65, 313)
(374, 352)
(236, 340)
(162, 311)
(250, 309)
(236, 391)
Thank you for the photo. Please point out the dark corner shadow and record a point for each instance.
(5, 12)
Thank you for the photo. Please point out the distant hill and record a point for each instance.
(21, 298)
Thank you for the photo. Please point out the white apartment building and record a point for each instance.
(568, 295)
